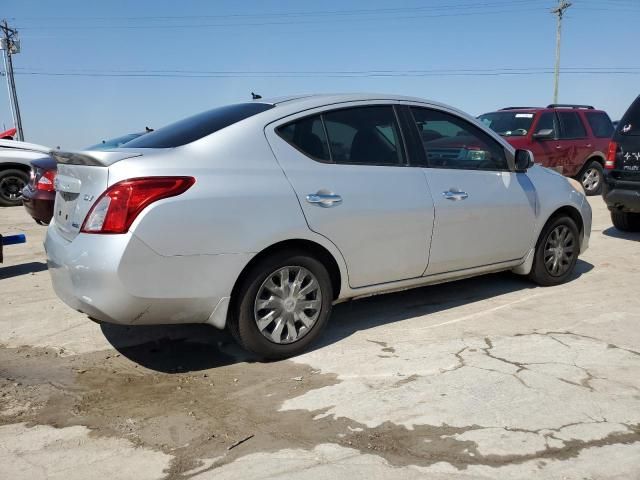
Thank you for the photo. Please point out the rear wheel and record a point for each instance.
(556, 252)
(12, 181)
(282, 305)
(592, 178)
(626, 221)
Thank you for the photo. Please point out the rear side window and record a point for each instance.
(308, 136)
(547, 121)
(600, 124)
(364, 135)
(571, 126)
(198, 126)
(361, 135)
(630, 123)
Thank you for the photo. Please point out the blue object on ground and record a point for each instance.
(13, 239)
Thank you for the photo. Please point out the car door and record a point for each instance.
(548, 152)
(573, 137)
(349, 171)
(484, 212)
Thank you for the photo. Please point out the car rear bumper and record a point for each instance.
(119, 279)
(622, 199)
(38, 204)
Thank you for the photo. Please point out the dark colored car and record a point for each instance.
(621, 190)
(39, 195)
(571, 139)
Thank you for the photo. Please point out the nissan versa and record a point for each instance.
(259, 216)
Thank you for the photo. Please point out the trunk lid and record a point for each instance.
(82, 177)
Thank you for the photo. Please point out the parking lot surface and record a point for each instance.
(490, 377)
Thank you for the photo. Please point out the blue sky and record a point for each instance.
(401, 47)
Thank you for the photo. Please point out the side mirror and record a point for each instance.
(524, 160)
(544, 134)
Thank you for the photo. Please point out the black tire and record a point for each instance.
(592, 168)
(626, 221)
(540, 272)
(12, 181)
(242, 324)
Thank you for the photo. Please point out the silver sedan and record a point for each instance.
(259, 216)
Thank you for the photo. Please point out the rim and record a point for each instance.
(288, 304)
(559, 250)
(11, 188)
(591, 179)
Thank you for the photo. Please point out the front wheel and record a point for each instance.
(12, 181)
(626, 221)
(556, 252)
(282, 305)
(592, 178)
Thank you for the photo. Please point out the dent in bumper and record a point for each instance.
(119, 279)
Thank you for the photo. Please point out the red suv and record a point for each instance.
(571, 139)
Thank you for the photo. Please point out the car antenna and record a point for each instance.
(255, 96)
(148, 129)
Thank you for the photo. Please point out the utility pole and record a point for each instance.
(10, 45)
(563, 5)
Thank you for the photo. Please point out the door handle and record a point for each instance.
(324, 200)
(455, 196)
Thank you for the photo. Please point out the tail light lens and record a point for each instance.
(610, 162)
(117, 208)
(45, 182)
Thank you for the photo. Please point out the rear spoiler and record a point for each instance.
(96, 158)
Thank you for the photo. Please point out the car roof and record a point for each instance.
(584, 108)
(329, 98)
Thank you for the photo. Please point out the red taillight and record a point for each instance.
(45, 182)
(117, 208)
(610, 163)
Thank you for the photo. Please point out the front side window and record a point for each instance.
(571, 125)
(600, 124)
(451, 142)
(364, 135)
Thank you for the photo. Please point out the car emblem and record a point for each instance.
(88, 198)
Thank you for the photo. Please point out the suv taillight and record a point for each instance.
(45, 182)
(117, 208)
(610, 163)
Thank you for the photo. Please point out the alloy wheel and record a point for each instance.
(288, 304)
(591, 179)
(559, 250)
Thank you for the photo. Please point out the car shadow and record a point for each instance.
(188, 348)
(22, 269)
(615, 233)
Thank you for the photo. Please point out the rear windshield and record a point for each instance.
(508, 124)
(114, 142)
(630, 123)
(193, 128)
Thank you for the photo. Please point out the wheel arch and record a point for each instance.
(570, 211)
(14, 166)
(314, 249)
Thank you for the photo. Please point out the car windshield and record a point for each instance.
(114, 142)
(508, 124)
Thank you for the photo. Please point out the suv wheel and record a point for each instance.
(592, 178)
(12, 182)
(282, 306)
(626, 221)
(556, 252)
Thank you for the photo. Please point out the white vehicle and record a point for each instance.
(15, 166)
(259, 216)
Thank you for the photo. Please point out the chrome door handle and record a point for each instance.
(324, 200)
(455, 196)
